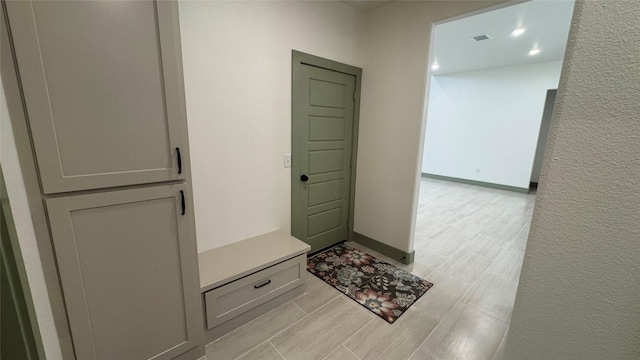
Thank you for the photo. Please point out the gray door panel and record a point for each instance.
(323, 131)
(103, 90)
(127, 271)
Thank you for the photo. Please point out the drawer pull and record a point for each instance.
(182, 202)
(179, 160)
(257, 286)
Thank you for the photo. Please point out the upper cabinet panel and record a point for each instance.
(104, 92)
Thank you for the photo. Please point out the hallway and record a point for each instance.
(469, 242)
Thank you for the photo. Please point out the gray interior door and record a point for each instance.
(128, 272)
(103, 87)
(322, 152)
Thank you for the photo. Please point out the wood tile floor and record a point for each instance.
(469, 242)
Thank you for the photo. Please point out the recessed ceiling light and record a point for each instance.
(517, 32)
(435, 66)
(534, 51)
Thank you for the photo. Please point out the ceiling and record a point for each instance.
(366, 5)
(547, 27)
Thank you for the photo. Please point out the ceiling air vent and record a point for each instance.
(479, 38)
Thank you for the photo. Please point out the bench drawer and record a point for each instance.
(232, 299)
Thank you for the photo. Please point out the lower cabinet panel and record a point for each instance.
(235, 298)
(128, 268)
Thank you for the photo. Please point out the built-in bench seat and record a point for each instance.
(243, 280)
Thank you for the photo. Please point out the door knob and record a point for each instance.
(304, 178)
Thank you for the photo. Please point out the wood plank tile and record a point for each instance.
(503, 204)
(446, 245)
(508, 265)
(380, 340)
(317, 293)
(465, 334)
(427, 357)
(519, 242)
(264, 351)
(494, 296)
(323, 331)
(244, 338)
(426, 262)
(507, 226)
(432, 223)
(342, 353)
(499, 355)
(443, 296)
(458, 237)
(421, 240)
(487, 246)
(466, 266)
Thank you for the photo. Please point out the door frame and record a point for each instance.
(297, 60)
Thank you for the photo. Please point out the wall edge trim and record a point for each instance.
(477, 183)
(396, 254)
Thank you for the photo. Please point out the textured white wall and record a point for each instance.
(487, 120)
(391, 115)
(237, 66)
(579, 292)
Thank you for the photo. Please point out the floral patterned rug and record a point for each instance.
(379, 286)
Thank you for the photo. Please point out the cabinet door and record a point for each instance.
(104, 92)
(128, 267)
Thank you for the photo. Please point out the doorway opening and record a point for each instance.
(490, 95)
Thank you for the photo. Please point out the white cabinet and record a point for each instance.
(272, 271)
(127, 272)
(237, 297)
(104, 101)
(103, 91)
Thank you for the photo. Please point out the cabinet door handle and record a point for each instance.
(257, 286)
(182, 202)
(179, 160)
